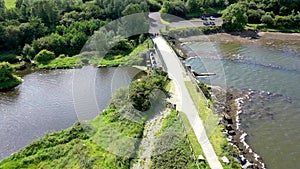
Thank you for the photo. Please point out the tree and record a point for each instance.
(154, 6)
(19, 3)
(12, 13)
(76, 43)
(12, 37)
(47, 11)
(283, 21)
(53, 42)
(28, 52)
(235, 17)
(44, 56)
(2, 4)
(33, 29)
(131, 9)
(175, 8)
(193, 6)
(267, 19)
(254, 16)
(296, 20)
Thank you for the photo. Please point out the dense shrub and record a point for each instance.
(283, 21)
(267, 19)
(235, 17)
(44, 56)
(254, 16)
(177, 8)
(141, 90)
(7, 79)
(205, 89)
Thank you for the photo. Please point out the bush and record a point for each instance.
(28, 52)
(205, 89)
(175, 8)
(7, 79)
(153, 5)
(254, 16)
(141, 91)
(10, 57)
(283, 21)
(44, 56)
(267, 19)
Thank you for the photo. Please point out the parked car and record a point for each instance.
(206, 23)
(212, 18)
(212, 23)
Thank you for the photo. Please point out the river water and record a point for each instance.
(45, 102)
(271, 73)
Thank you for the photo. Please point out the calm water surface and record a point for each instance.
(273, 72)
(45, 102)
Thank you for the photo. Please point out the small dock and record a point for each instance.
(197, 73)
(203, 74)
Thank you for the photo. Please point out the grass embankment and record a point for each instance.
(206, 11)
(265, 28)
(171, 146)
(10, 4)
(62, 62)
(135, 57)
(84, 145)
(193, 140)
(210, 120)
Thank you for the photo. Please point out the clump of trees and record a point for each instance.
(7, 79)
(140, 91)
(278, 14)
(235, 17)
(61, 26)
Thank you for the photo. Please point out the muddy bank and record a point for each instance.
(269, 39)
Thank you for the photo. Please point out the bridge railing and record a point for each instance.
(164, 66)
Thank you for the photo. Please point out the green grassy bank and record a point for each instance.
(210, 120)
(172, 142)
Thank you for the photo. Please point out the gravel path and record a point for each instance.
(151, 128)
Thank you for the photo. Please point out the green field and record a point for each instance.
(10, 3)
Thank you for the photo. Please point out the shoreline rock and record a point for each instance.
(230, 108)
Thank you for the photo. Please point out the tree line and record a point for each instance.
(60, 26)
(280, 14)
(63, 26)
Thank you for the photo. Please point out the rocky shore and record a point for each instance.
(228, 104)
